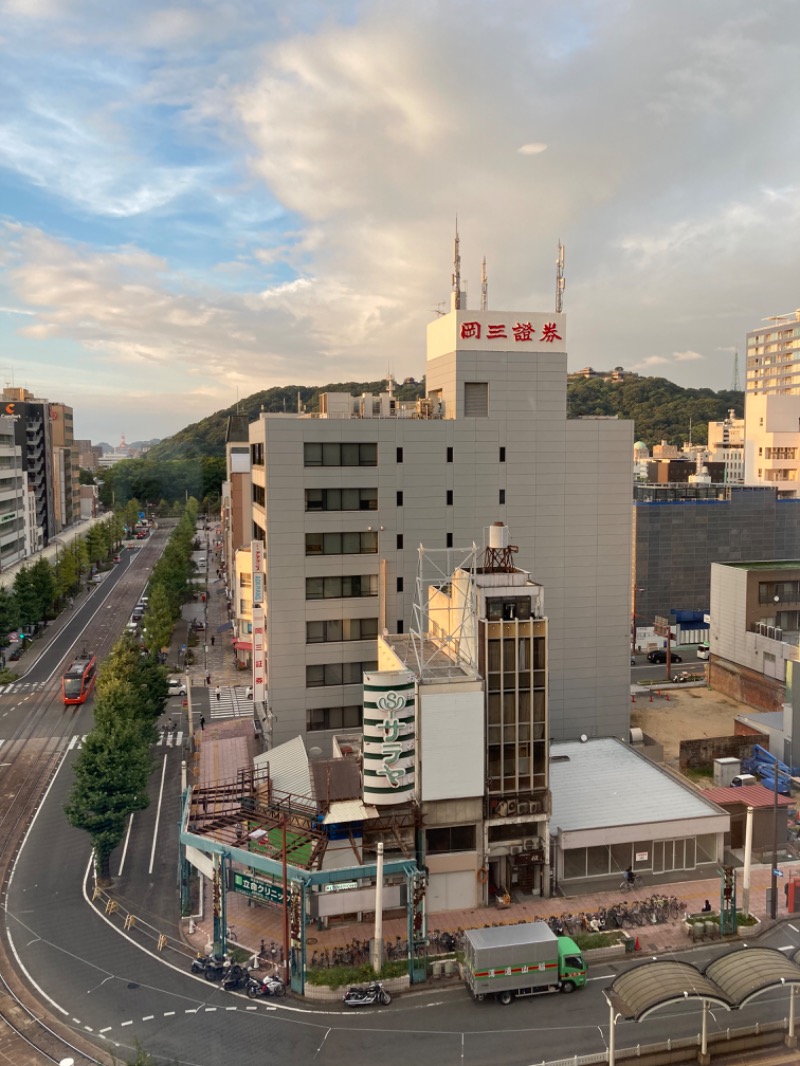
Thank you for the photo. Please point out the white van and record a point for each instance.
(703, 651)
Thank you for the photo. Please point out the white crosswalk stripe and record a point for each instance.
(169, 739)
(21, 686)
(233, 702)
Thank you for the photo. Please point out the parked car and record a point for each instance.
(177, 686)
(660, 656)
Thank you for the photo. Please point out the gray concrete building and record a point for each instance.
(679, 531)
(343, 500)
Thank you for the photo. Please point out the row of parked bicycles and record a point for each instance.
(622, 915)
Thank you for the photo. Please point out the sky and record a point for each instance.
(201, 200)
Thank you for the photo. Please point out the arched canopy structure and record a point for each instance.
(730, 981)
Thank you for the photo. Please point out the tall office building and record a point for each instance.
(32, 432)
(772, 405)
(343, 500)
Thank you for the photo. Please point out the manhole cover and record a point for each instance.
(311, 940)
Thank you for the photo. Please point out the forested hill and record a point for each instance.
(660, 410)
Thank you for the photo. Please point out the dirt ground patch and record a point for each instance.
(688, 715)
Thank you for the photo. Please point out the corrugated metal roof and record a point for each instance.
(349, 811)
(748, 796)
(288, 767)
(604, 783)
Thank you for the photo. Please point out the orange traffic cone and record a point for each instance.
(637, 945)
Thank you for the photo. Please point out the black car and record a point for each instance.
(660, 656)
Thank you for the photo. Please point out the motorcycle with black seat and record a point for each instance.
(366, 996)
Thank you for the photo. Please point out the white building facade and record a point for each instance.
(772, 405)
(344, 499)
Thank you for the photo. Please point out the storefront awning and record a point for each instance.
(243, 645)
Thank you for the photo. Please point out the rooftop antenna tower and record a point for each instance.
(560, 283)
(456, 297)
(484, 287)
(735, 380)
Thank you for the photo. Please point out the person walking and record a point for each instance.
(218, 692)
(213, 640)
(202, 724)
(208, 679)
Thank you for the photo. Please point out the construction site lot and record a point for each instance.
(685, 714)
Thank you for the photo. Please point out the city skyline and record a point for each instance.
(202, 202)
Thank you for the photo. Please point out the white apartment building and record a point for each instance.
(343, 500)
(726, 445)
(14, 516)
(772, 405)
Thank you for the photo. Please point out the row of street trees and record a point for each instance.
(114, 763)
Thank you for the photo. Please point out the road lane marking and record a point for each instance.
(158, 815)
(793, 928)
(123, 1024)
(148, 1017)
(125, 848)
(107, 1029)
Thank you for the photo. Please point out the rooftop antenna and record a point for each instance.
(484, 287)
(439, 309)
(735, 381)
(560, 283)
(456, 297)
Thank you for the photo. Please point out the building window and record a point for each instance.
(399, 625)
(449, 497)
(449, 539)
(259, 495)
(502, 455)
(336, 630)
(341, 543)
(399, 541)
(399, 499)
(399, 455)
(335, 588)
(476, 399)
(245, 581)
(341, 499)
(444, 839)
(325, 674)
(449, 455)
(399, 584)
(350, 717)
(257, 454)
(330, 454)
(502, 496)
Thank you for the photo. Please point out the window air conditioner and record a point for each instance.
(535, 807)
(529, 844)
(501, 809)
(515, 849)
(523, 808)
(512, 806)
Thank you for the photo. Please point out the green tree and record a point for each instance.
(110, 783)
(26, 598)
(44, 586)
(9, 618)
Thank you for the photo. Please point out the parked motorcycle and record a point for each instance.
(199, 962)
(267, 986)
(365, 997)
(216, 969)
(237, 977)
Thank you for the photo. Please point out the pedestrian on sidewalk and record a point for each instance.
(213, 640)
(218, 692)
(202, 724)
(208, 679)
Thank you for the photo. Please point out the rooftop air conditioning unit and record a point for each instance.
(529, 844)
(515, 849)
(524, 808)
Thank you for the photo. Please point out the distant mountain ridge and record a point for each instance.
(660, 410)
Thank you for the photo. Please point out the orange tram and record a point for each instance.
(77, 684)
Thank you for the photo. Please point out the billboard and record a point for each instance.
(389, 737)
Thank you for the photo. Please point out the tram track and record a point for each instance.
(29, 759)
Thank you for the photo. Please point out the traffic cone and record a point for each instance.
(637, 946)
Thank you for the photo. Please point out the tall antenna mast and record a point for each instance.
(560, 279)
(735, 382)
(456, 272)
(484, 287)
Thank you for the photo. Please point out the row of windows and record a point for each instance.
(337, 673)
(350, 717)
(333, 630)
(341, 499)
(329, 454)
(335, 454)
(778, 591)
(341, 543)
(335, 588)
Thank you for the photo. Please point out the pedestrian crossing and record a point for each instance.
(22, 686)
(167, 738)
(233, 702)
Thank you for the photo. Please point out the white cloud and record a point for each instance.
(687, 357)
(534, 148)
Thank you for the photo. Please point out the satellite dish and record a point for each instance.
(584, 738)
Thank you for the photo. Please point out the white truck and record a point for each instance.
(521, 960)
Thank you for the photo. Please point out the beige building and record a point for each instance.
(343, 499)
(772, 405)
(726, 445)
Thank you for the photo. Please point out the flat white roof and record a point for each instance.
(604, 782)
